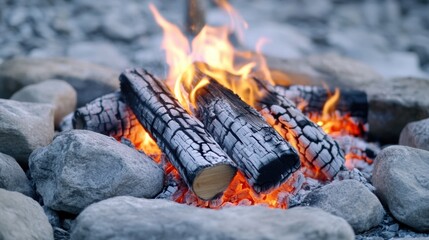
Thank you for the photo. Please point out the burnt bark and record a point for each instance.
(317, 150)
(201, 162)
(264, 157)
(353, 102)
(108, 115)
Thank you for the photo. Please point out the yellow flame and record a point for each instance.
(237, 23)
(331, 104)
(212, 47)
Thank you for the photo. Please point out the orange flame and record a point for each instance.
(210, 46)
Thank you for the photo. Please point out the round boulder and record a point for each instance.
(56, 92)
(82, 167)
(133, 218)
(350, 200)
(401, 180)
(12, 177)
(22, 218)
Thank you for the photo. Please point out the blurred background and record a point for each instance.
(392, 36)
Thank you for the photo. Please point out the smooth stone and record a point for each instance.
(12, 177)
(82, 167)
(401, 180)
(24, 127)
(416, 135)
(90, 80)
(351, 200)
(103, 53)
(56, 92)
(133, 218)
(22, 218)
(393, 104)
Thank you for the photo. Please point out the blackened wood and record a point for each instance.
(108, 115)
(352, 102)
(318, 151)
(201, 162)
(264, 157)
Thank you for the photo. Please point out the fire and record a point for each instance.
(210, 46)
(211, 53)
(332, 122)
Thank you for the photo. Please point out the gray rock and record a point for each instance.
(350, 200)
(335, 70)
(102, 53)
(402, 183)
(89, 80)
(22, 218)
(416, 135)
(82, 167)
(393, 104)
(24, 127)
(12, 177)
(133, 218)
(56, 92)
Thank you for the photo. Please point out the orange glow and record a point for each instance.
(238, 193)
(332, 122)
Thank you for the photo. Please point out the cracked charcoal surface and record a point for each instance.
(181, 137)
(260, 152)
(314, 97)
(107, 115)
(317, 149)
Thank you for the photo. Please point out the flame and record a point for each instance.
(333, 123)
(212, 47)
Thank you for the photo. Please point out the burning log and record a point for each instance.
(318, 151)
(108, 115)
(264, 157)
(313, 99)
(201, 162)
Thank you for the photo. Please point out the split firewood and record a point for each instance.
(264, 157)
(318, 151)
(312, 99)
(200, 161)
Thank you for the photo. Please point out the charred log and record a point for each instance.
(313, 99)
(264, 157)
(107, 115)
(318, 151)
(201, 162)
(111, 116)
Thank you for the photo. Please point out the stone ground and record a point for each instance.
(389, 35)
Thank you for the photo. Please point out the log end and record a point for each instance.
(213, 181)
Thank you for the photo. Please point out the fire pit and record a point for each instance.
(226, 134)
(226, 118)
